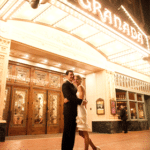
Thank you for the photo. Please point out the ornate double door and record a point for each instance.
(32, 111)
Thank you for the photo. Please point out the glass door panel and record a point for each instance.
(53, 112)
(39, 112)
(18, 120)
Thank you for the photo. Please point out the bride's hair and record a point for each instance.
(78, 77)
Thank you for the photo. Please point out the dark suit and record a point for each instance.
(123, 115)
(70, 113)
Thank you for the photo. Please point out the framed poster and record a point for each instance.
(113, 107)
(100, 106)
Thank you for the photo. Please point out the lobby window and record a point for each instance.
(119, 103)
(141, 111)
(133, 112)
(140, 106)
(121, 100)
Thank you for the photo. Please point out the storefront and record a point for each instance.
(38, 45)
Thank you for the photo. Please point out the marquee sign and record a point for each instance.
(127, 28)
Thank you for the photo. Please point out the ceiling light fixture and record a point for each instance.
(35, 3)
(147, 59)
(26, 56)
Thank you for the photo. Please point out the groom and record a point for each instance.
(70, 111)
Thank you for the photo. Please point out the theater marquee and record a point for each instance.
(128, 27)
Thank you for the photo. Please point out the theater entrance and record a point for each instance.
(33, 101)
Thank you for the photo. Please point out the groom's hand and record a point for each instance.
(66, 100)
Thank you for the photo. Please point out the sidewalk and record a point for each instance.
(133, 140)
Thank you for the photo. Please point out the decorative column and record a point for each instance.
(4, 55)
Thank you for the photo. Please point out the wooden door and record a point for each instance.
(6, 110)
(39, 111)
(53, 113)
(18, 111)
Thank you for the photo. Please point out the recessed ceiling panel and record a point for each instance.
(69, 23)
(27, 12)
(2, 2)
(113, 48)
(51, 16)
(99, 39)
(85, 31)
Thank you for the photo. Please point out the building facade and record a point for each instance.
(104, 42)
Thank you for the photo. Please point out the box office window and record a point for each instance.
(133, 112)
(141, 111)
(119, 103)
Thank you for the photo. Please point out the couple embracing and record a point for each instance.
(75, 113)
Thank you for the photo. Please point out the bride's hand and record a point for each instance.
(66, 100)
(84, 102)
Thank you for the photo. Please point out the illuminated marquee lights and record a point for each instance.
(95, 8)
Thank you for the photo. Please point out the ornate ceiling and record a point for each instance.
(57, 14)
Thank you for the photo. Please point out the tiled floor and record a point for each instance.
(133, 140)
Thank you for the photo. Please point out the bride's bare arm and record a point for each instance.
(80, 92)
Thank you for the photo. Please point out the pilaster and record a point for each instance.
(110, 92)
(4, 55)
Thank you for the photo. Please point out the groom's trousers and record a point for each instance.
(69, 131)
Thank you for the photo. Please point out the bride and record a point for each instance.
(81, 118)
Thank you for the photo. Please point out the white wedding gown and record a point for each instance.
(81, 118)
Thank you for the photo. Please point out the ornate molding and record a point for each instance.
(4, 44)
(129, 83)
(1, 67)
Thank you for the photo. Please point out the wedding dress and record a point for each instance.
(81, 118)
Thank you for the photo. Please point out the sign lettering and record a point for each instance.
(107, 16)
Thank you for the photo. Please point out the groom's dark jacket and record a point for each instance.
(69, 92)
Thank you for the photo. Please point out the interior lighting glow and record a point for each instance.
(26, 56)
(45, 61)
(40, 65)
(54, 69)
(12, 9)
(21, 61)
(58, 65)
(83, 71)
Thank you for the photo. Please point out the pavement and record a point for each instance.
(133, 140)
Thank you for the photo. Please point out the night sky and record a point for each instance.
(146, 12)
